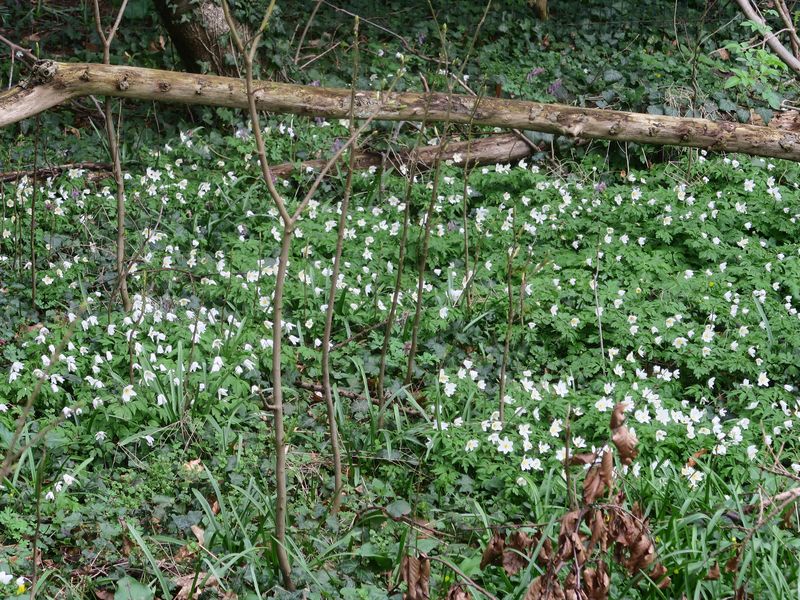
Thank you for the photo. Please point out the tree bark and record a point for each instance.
(196, 31)
(540, 8)
(53, 83)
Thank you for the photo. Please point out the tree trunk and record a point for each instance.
(54, 83)
(540, 8)
(197, 31)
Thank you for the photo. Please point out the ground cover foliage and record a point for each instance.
(631, 312)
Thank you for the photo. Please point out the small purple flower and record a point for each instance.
(421, 39)
(534, 72)
(600, 187)
(337, 145)
(554, 87)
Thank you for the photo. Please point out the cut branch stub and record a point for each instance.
(73, 80)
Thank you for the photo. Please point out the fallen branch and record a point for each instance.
(317, 389)
(101, 168)
(54, 83)
(503, 149)
(781, 499)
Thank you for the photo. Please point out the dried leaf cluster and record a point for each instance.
(416, 574)
(590, 538)
(577, 565)
(516, 551)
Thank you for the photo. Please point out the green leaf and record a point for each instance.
(130, 589)
(773, 98)
(398, 508)
(731, 82)
(427, 545)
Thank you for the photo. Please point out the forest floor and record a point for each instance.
(584, 281)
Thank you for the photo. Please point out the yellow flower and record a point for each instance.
(21, 588)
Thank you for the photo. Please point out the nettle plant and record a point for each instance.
(756, 70)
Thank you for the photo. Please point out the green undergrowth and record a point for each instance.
(672, 290)
(666, 280)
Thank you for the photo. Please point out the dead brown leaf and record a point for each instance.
(593, 485)
(193, 466)
(625, 443)
(722, 53)
(157, 45)
(618, 416)
(184, 554)
(458, 592)
(199, 533)
(586, 458)
(545, 589)
(570, 540)
(642, 554)
(515, 556)
(599, 538)
(713, 573)
(535, 589)
(194, 584)
(756, 119)
(658, 572)
(596, 581)
(416, 574)
(607, 468)
(733, 564)
(494, 551)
